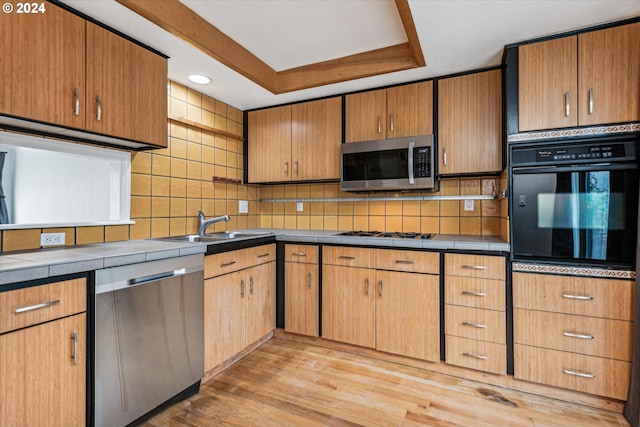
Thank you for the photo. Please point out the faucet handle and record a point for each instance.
(200, 213)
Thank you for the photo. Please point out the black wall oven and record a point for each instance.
(575, 202)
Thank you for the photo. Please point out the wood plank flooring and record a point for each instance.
(287, 383)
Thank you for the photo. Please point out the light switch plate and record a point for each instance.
(243, 206)
(468, 205)
(299, 206)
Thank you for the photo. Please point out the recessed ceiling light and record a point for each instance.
(200, 79)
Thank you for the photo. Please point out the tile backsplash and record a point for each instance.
(170, 185)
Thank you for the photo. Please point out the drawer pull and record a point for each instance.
(36, 307)
(227, 264)
(579, 374)
(262, 255)
(475, 267)
(578, 297)
(299, 254)
(74, 338)
(346, 257)
(475, 325)
(576, 335)
(405, 261)
(475, 294)
(475, 356)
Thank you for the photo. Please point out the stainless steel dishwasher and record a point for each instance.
(149, 336)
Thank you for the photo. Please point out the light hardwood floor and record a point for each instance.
(287, 383)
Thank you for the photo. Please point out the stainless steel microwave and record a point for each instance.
(399, 164)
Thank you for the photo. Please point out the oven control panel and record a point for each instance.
(581, 153)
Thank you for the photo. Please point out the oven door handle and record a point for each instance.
(575, 168)
(412, 145)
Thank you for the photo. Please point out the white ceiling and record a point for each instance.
(456, 35)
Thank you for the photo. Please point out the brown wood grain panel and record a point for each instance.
(475, 323)
(470, 123)
(407, 261)
(610, 377)
(301, 253)
(261, 254)
(225, 262)
(302, 298)
(608, 298)
(480, 266)
(260, 296)
(366, 116)
(348, 256)
(474, 354)
(410, 110)
(66, 298)
(474, 292)
(269, 140)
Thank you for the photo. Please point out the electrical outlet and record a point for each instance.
(51, 239)
(243, 206)
(299, 206)
(468, 205)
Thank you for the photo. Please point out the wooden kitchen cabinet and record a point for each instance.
(470, 123)
(43, 355)
(396, 112)
(582, 80)
(239, 301)
(580, 326)
(299, 142)
(73, 73)
(302, 296)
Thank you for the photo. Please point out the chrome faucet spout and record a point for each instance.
(204, 223)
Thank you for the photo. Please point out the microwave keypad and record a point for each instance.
(422, 162)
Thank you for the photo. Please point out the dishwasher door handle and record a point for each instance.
(156, 277)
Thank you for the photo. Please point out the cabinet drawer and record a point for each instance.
(475, 323)
(37, 304)
(348, 256)
(261, 254)
(474, 292)
(225, 262)
(408, 261)
(585, 296)
(482, 266)
(301, 253)
(589, 374)
(474, 354)
(577, 334)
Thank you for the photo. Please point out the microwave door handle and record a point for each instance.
(410, 162)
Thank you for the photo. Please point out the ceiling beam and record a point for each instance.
(176, 18)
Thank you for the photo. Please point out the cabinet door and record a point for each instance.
(260, 291)
(470, 123)
(301, 300)
(269, 142)
(348, 305)
(366, 116)
(408, 314)
(410, 110)
(41, 385)
(316, 128)
(609, 65)
(224, 318)
(547, 84)
(42, 72)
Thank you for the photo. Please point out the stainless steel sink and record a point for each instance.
(216, 237)
(194, 238)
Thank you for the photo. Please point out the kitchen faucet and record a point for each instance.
(203, 224)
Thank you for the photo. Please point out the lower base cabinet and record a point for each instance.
(302, 292)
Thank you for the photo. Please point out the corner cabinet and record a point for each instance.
(72, 73)
(582, 80)
(396, 112)
(43, 355)
(299, 142)
(470, 123)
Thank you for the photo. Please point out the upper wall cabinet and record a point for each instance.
(582, 80)
(470, 123)
(60, 70)
(299, 142)
(395, 112)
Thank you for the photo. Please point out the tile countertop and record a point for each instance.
(40, 264)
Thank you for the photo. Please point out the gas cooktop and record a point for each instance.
(391, 234)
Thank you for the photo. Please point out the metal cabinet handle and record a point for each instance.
(262, 255)
(590, 100)
(475, 267)
(295, 167)
(286, 168)
(405, 261)
(577, 335)
(242, 288)
(346, 257)
(578, 297)
(475, 325)
(475, 356)
(444, 157)
(391, 123)
(579, 374)
(379, 125)
(366, 286)
(99, 114)
(380, 291)
(76, 109)
(36, 307)
(299, 254)
(566, 104)
(251, 285)
(227, 264)
(74, 338)
(310, 280)
(475, 294)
